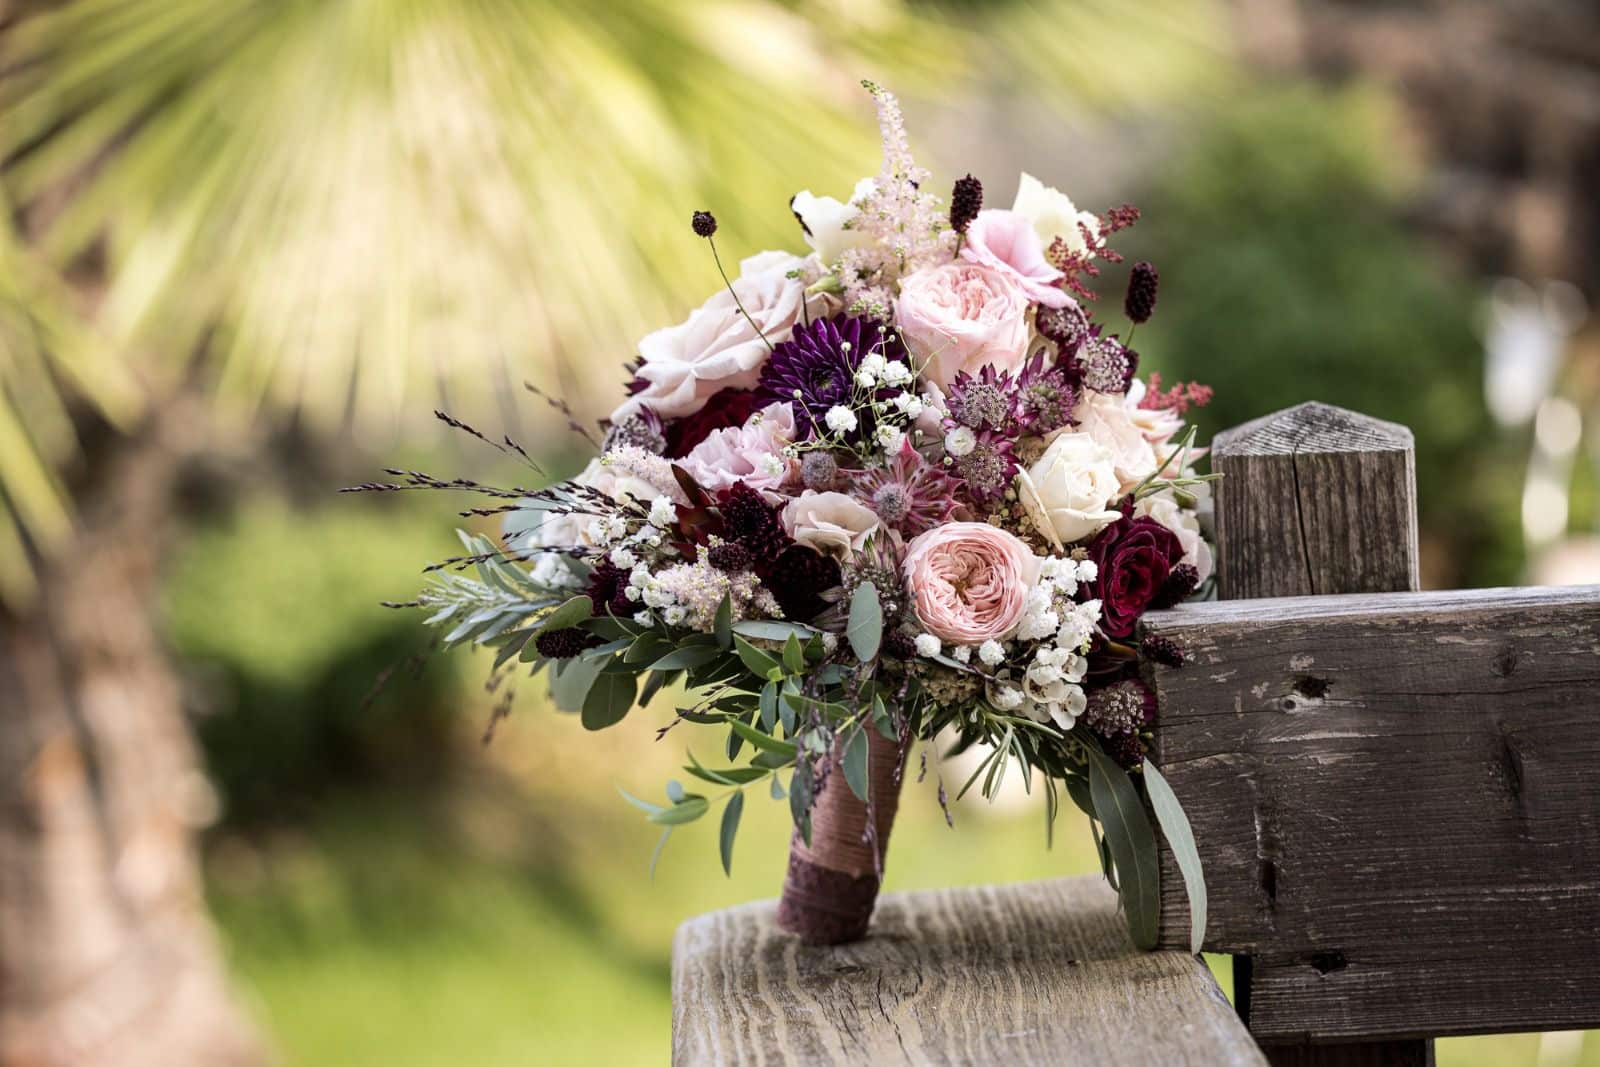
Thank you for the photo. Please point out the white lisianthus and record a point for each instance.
(927, 645)
(827, 222)
(1068, 491)
(1053, 214)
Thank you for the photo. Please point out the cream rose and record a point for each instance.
(1185, 524)
(827, 222)
(718, 348)
(1068, 491)
(831, 523)
(1112, 424)
(1053, 214)
(962, 317)
(968, 582)
(752, 453)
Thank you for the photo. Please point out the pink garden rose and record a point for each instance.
(752, 453)
(718, 348)
(1007, 242)
(968, 581)
(962, 317)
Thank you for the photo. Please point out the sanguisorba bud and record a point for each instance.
(704, 223)
(966, 200)
(1141, 300)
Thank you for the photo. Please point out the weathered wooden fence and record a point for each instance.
(1396, 797)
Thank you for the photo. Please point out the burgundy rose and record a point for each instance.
(1134, 557)
(727, 407)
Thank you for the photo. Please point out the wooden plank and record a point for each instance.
(1034, 973)
(1397, 803)
(1315, 499)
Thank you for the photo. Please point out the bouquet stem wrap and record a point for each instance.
(832, 884)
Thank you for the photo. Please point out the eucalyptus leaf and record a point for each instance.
(762, 741)
(608, 701)
(730, 830)
(578, 609)
(570, 681)
(642, 805)
(773, 629)
(689, 809)
(722, 625)
(1175, 825)
(1132, 841)
(769, 706)
(777, 788)
(756, 661)
(683, 658)
(854, 763)
(865, 629)
(794, 656)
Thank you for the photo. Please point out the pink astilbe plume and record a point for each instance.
(908, 224)
(1076, 265)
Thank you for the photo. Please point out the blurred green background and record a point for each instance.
(262, 241)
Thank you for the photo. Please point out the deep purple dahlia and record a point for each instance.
(815, 370)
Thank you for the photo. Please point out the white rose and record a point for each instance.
(1067, 491)
(1111, 423)
(1182, 522)
(718, 348)
(831, 523)
(825, 221)
(1053, 214)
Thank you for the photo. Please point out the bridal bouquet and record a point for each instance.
(902, 489)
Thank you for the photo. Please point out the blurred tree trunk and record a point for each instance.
(107, 956)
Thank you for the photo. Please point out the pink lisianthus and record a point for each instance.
(752, 453)
(968, 582)
(1007, 242)
(962, 317)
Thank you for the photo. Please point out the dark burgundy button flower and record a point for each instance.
(1134, 557)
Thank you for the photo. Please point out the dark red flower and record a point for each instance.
(727, 407)
(1134, 556)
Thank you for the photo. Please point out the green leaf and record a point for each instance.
(578, 609)
(1132, 841)
(609, 700)
(682, 658)
(647, 649)
(1175, 825)
(643, 805)
(756, 661)
(865, 629)
(766, 742)
(570, 681)
(730, 830)
(794, 656)
(722, 625)
(690, 808)
(854, 763)
(777, 788)
(773, 629)
(726, 776)
(769, 706)
(655, 855)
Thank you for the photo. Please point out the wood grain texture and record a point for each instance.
(1041, 972)
(1315, 499)
(1397, 802)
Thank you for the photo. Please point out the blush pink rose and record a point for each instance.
(752, 453)
(968, 581)
(1007, 242)
(718, 348)
(962, 317)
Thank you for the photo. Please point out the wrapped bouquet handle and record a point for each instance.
(832, 884)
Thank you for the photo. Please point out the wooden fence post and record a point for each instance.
(1317, 500)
